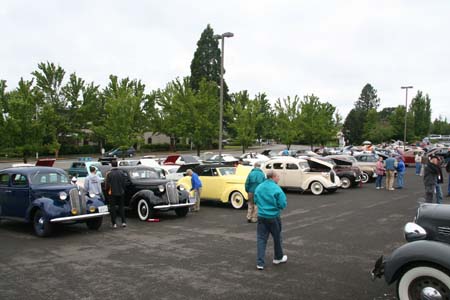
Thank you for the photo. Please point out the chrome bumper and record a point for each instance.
(166, 206)
(80, 217)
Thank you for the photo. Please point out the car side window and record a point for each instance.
(291, 167)
(19, 180)
(269, 166)
(206, 172)
(278, 166)
(4, 179)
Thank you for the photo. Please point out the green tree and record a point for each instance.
(353, 129)
(124, 113)
(368, 99)
(266, 119)
(287, 112)
(420, 113)
(316, 122)
(244, 116)
(440, 126)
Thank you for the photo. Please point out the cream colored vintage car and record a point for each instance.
(313, 174)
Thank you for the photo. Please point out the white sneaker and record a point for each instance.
(280, 261)
(378, 188)
(259, 267)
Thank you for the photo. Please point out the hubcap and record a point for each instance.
(430, 293)
(237, 200)
(428, 288)
(143, 209)
(41, 221)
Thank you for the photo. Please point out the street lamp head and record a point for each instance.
(228, 34)
(407, 87)
(217, 37)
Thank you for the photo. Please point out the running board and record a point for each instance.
(173, 205)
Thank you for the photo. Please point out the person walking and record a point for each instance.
(254, 178)
(390, 165)
(115, 184)
(418, 161)
(400, 173)
(92, 183)
(430, 178)
(270, 200)
(196, 186)
(380, 171)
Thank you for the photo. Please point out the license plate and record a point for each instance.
(103, 209)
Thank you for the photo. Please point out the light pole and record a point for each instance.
(221, 37)
(406, 111)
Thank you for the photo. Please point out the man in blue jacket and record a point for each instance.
(196, 186)
(270, 199)
(255, 177)
(400, 173)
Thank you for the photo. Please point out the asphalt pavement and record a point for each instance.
(332, 242)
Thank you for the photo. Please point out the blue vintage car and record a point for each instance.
(44, 197)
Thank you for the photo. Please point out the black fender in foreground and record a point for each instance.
(414, 253)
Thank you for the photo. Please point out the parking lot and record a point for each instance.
(332, 242)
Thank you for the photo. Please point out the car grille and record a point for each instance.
(172, 192)
(78, 201)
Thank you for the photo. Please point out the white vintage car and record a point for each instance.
(251, 157)
(313, 174)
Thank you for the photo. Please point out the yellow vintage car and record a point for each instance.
(221, 183)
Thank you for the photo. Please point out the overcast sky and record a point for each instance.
(283, 48)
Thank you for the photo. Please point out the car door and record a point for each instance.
(17, 200)
(4, 191)
(292, 175)
(279, 168)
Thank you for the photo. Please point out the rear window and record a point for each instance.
(144, 174)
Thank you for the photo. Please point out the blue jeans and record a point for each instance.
(264, 227)
(418, 167)
(400, 181)
(379, 181)
(438, 194)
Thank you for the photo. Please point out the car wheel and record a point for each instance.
(143, 210)
(424, 283)
(42, 227)
(316, 188)
(94, 224)
(346, 182)
(182, 211)
(364, 177)
(237, 200)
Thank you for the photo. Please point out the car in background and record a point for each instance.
(177, 159)
(41, 162)
(179, 172)
(367, 167)
(226, 159)
(128, 162)
(250, 158)
(117, 152)
(350, 176)
(147, 192)
(43, 196)
(221, 183)
(314, 175)
(80, 170)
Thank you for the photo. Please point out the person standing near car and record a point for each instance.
(418, 161)
(400, 173)
(440, 180)
(196, 186)
(270, 200)
(92, 183)
(430, 178)
(115, 186)
(254, 178)
(390, 165)
(380, 170)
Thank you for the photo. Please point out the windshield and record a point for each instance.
(144, 174)
(227, 171)
(49, 178)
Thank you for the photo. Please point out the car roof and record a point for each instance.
(286, 159)
(30, 170)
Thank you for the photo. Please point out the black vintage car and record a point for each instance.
(348, 174)
(147, 192)
(421, 267)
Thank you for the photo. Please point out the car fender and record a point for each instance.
(323, 181)
(425, 252)
(146, 194)
(50, 207)
(225, 196)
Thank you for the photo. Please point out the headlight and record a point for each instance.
(181, 187)
(161, 188)
(62, 196)
(92, 195)
(414, 232)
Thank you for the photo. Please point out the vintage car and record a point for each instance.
(313, 174)
(177, 159)
(347, 173)
(148, 192)
(44, 196)
(251, 157)
(221, 183)
(367, 167)
(226, 159)
(80, 168)
(421, 267)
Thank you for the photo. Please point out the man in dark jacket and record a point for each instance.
(254, 178)
(430, 178)
(115, 188)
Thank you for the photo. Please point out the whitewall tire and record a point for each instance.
(420, 279)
